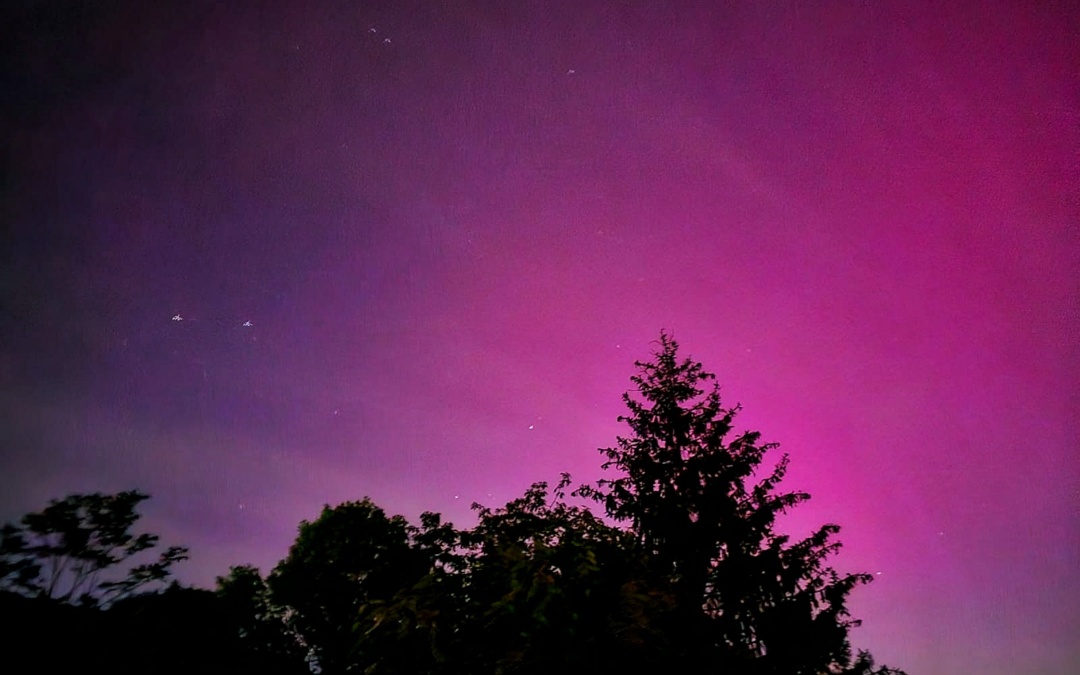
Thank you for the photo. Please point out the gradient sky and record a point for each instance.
(454, 230)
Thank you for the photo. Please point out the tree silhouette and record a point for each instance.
(748, 600)
(684, 569)
(261, 626)
(176, 631)
(351, 555)
(68, 550)
(421, 628)
(537, 586)
(687, 571)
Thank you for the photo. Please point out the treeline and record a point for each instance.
(679, 567)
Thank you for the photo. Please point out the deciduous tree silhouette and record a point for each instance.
(537, 586)
(261, 627)
(351, 555)
(70, 549)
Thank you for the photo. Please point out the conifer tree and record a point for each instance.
(702, 509)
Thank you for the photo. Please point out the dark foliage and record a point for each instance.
(36, 627)
(351, 556)
(73, 600)
(258, 624)
(533, 588)
(69, 550)
(685, 570)
(688, 570)
(177, 631)
(700, 506)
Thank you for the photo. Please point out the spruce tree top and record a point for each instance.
(703, 511)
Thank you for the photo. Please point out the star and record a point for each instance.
(178, 318)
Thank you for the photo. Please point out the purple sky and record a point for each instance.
(452, 246)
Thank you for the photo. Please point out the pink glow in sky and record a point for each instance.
(452, 246)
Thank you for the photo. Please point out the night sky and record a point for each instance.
(416, 249)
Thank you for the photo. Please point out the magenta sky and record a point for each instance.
(452, 246)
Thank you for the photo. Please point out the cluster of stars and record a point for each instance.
(375, 31)
(246, 324)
